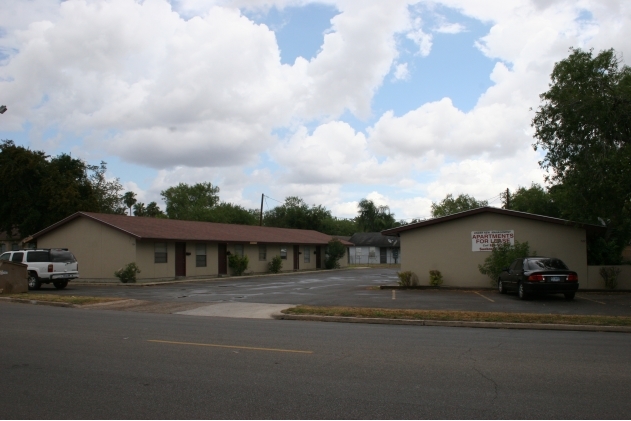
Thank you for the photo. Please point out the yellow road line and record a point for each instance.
(583, 298)
(484, 296)
(232, 347)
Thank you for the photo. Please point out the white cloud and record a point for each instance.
(401, 72)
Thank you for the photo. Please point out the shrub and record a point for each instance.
(334, 252)
(275, 265)
(501, 257)
(610, 276)
(407, 279)
(435, 278)
(127, 273)
(238, 264)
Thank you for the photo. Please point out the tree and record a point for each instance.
(228, 213)
(107, 192)
(373, 218)
(154, 211)
(295, 213)
(129, 199)
(535, 200)
(335, 250)
(192, 203)
(501, 257)
(584, 126)
(140, 209)
(462, 203)
(37, 190)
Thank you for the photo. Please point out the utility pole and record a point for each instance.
(507, 205)
(261, 215)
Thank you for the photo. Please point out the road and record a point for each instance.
(78, 363)
(354, 288)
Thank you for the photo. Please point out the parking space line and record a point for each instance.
(588, 299)
(484, 296)
(232, 346)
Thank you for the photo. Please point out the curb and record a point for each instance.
(186, 281)
(36, 302)
(487, 325)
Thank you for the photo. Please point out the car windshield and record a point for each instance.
(5, 256)
(62, 256)
(546, 264)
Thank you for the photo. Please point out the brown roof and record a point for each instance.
(171, 229)
(485, 209)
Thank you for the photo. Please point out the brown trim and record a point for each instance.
(77, 215)
(397, 230)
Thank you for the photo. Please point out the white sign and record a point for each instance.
(484, 240)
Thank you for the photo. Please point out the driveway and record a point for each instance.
(353, 287)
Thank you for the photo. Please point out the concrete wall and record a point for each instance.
(100, 250)
(595, 281)
(447, 247)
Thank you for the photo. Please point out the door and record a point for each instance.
(296, 257)
(180, 259)
(222, 264)
(318, 258)
(383, 255)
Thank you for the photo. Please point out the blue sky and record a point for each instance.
(400, 102)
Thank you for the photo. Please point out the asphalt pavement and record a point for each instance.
(67, 363)
(353, 287)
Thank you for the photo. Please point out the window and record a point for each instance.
(15, 246)
(371, 252)
(5, 256)
(17, 257)
(262, 252)
(283, 252)
(200, 255)
(238, 250)
(306, 252)
(160, 253)
(3, 248)
(62, 256)
(37, 256)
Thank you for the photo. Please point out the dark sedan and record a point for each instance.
(532, 275)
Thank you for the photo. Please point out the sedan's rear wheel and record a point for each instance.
(569, 295)
(60, 284)
(521, 292)
(500, 287)
(34, 282)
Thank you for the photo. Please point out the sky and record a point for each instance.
(398, 101)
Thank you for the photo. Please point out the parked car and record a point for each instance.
(45, 266)
(532, 275)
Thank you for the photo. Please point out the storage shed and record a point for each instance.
(168, 248)
(456, 244)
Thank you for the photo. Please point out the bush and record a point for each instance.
(501, 257)
(435, 278)
(407, 279)
(238, 264)
(127, 273)
(610, 276)
(334, 252)
(275, 265)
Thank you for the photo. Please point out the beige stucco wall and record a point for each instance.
(100, 250)
(447, 247)
(595, 281)
(260, 266)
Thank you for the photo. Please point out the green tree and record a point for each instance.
(228, 213)
(534, 199)
(107, 192)
(37, 191)
(501, 257)
(154, 211)
(584, 126)
(449, 205)
(129, 199)
(373, 218)
(140, 209)
(192, 203)
(335, 250)
(295, 213)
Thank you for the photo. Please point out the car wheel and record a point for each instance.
(569, 295)
(60, 284)
(34, 282)
(521, 292)
(500, 287)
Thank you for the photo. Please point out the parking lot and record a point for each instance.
(353, 287)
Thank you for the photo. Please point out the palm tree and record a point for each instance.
(129, 199)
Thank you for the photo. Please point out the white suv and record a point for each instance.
(46, 265)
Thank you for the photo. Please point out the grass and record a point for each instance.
(468, 316)
(69, 299)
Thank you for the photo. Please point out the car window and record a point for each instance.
(546, 264)
(37, 256)
(513, 266)
(17, 257)
(5, 256)
(62, 256)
